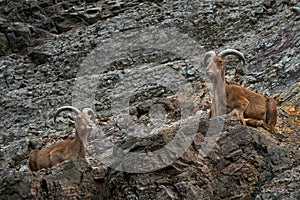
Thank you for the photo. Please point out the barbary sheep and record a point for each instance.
(72, 148)
(252, 108)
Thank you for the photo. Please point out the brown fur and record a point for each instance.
(252, 108)
(56, 153)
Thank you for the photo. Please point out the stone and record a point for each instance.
(47, 46)
(4, 45)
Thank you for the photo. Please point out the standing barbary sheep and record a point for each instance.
(73, 148)
(252, 108)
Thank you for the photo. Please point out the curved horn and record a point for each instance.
(90, 112)
(207, 55)
(237, 53)
(63, 108)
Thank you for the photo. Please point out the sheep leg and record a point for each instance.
(271, 115)
(209, 113)
(239, 114)
(55, 157)
(240, 107)
(266, 126)
(32, 161)
(259, 123)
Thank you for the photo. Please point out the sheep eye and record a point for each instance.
(89, 127)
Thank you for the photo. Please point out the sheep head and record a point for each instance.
(215, 63)
(215, 68)
(85, 121)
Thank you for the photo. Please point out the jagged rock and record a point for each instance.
(243, 158)
(70, 179)
(47, 46)
(283, 186)
(4, 45)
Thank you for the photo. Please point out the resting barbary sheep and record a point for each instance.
(252, 108)
(73, 148)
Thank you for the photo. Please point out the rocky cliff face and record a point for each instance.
(138, 64)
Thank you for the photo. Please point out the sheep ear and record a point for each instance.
(72, 118)
(91, 113)
(223, 73)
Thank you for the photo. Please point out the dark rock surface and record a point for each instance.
(69, 176)
(47, 49)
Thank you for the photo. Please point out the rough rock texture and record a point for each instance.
(44, 46)
(72, 178)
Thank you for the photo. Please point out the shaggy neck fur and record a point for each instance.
(219, 95)
(80, 144)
